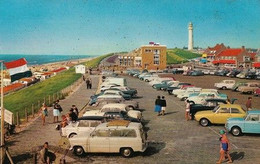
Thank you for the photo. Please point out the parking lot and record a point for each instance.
(172, 139)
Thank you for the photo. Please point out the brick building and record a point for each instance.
(151, 57)
(233, 58)
(212, 52)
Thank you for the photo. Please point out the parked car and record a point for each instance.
(182, 89)
(238, 84)
(202, 96)
(220, 114)
(83, 124)
(116, 92)
(225, 84)
(257, 92)
(163, 83)
(132, 105)
(120, 115)
(249, 87)
(184, 95)
(251, 75)
(197, 73)
(107, 97)
(117, 136)
(248, 124)
(209, 104)
(178, 85)
(234, 73)
(126, 90)
(114, 107)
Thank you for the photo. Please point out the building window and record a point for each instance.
(147, 50)
(156, 59)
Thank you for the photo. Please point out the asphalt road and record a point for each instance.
(172, 139)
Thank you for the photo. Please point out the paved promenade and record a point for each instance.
(20, 146)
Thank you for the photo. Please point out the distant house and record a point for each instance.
(46, 75)
(212, 52)
(59, 70)
(13, 87)
(233, 58)
(80, 69)
(256, 63)
(28, 81)
(6, 81)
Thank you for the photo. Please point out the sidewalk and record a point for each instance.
(20, 146)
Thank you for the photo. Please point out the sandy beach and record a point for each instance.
(57, 65)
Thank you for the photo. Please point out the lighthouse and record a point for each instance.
(190, 42)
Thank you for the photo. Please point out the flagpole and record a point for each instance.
(2, 114)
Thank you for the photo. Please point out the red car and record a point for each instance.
(257, 92)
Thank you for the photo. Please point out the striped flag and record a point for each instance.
(18, 69)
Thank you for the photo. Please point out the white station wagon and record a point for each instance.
(116, 108)
(118, 136)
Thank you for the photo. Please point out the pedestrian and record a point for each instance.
(163, 104)
(44, 112)
(73, 116)
(249, 103)
(57, 109)
(90, 83)
(83, 78)
(187, 110)
(87, 83)
(75, 110)
(224, 147)
(157, 107)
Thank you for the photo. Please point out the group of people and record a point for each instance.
(57, 110)
(160, 106)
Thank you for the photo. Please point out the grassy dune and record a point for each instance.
(176, 56)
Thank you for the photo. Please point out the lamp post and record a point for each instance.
(2, 113)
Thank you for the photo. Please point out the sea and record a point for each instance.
(41, 59)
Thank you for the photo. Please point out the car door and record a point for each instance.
(222, 115)
(99, 141)
(252, 124)
(83, 126)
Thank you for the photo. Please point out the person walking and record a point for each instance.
(163, 103)
(90, 83)
(249, 103)
(44, 113)
(73, 116)
(157, 107)
(187, 110)
(87, 83)
(224, 147)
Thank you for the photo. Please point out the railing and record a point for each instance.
(34, 110)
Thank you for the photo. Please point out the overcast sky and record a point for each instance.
(96, 27)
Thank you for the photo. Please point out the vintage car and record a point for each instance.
(114, 107)
(249, 87)
(117, 136)
(175, 92)
(249, 124)
(178, 85)
(83, 124)
(238, 84)
(220, 114)
(184, 95)
(119, 115)
(163, 84)
(126, 90)
(116, 92)
(200, 98)
(209, 104)
(225, 84)
(133, 105)
(148, 78)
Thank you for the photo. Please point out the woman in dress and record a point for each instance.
(158, 107)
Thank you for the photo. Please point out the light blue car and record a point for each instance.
(249, 124)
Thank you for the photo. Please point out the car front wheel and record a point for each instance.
(204, 122)
(78, 150)
(236, 131)
(126, 152)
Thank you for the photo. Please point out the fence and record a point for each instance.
(34, 110)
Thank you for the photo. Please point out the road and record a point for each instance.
(172, 139)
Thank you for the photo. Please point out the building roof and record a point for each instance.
(224, 61)
(256, 65)
(231, 52)
(13, 87)
(59, 70)
(215, 50)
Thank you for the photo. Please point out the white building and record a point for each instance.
(80, 69)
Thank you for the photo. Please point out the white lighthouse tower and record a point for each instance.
(190, 43)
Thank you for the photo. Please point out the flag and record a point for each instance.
(18, 69)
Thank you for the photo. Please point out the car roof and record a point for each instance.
(91, 118)
(119, 124)
(230, 105)
(254, 112)
(219, 100)
(114, 105)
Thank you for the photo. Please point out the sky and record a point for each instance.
(97, 27)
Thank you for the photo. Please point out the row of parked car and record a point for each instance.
(112, 122)
(209, 106)
(243, 87)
